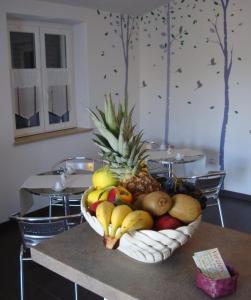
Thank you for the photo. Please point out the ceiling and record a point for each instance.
(132, 7)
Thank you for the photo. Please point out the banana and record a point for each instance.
(118, 215)
(138, 219)
(103, 214)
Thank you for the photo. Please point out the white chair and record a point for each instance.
(76, 164)
(71, 165)
(34, 230)
(210, 185)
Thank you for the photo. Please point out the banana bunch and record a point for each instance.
(121, 217)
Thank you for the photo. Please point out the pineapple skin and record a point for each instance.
(142, 183)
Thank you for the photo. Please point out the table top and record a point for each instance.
(79, 255)
(175, 156)
(43, 184)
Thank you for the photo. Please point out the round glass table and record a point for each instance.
(163, 161)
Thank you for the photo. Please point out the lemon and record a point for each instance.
(102, 178)
(96, 195)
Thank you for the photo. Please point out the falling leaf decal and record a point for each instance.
(199, 84)
(144, 84)
(212, 62)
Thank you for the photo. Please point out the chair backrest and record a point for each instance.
(36, 229)
(75, 164)
(209, 184)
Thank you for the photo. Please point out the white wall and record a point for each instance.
(196, 113)
(19, 162)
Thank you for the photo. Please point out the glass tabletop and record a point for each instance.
(49, 191)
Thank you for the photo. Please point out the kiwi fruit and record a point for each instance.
(157, 203)
(138, 201)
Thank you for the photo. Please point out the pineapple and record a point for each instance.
(121, 149)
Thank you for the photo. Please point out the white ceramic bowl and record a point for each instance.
(147, 246)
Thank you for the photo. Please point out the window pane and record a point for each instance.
(22, 50)
(55, 48)
(26, 108)
(58, 104)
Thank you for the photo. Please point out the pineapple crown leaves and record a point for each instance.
(110, 117)
(117, 143)
(101, 126)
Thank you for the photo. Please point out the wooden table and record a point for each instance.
(80, 256)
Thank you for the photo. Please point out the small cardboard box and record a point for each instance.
(217, 288)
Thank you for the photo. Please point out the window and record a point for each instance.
(41, 76)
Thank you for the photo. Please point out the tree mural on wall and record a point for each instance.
(126, 26)
(171, 38)
(126, 31)
(222, 42)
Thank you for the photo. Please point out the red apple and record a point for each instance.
(166, 222)
(93, 207)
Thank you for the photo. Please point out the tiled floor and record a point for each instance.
(41, 284)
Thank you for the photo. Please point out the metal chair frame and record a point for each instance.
(77, 163)
(69, 160)
(33, 231)
(210, 185)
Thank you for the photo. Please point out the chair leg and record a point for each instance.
(75, 291)
(21, 273)
(50, 207)
(220, 212)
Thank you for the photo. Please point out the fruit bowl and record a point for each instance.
(147, 246)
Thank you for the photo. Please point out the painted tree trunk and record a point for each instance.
(126, 69)
(227, 70)
(126, 28)
(168, 69)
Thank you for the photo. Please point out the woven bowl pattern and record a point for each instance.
(147, 246)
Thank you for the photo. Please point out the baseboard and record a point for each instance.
(235, 195)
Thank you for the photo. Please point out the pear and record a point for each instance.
(185, 208)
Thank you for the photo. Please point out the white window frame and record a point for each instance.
(40, 29)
